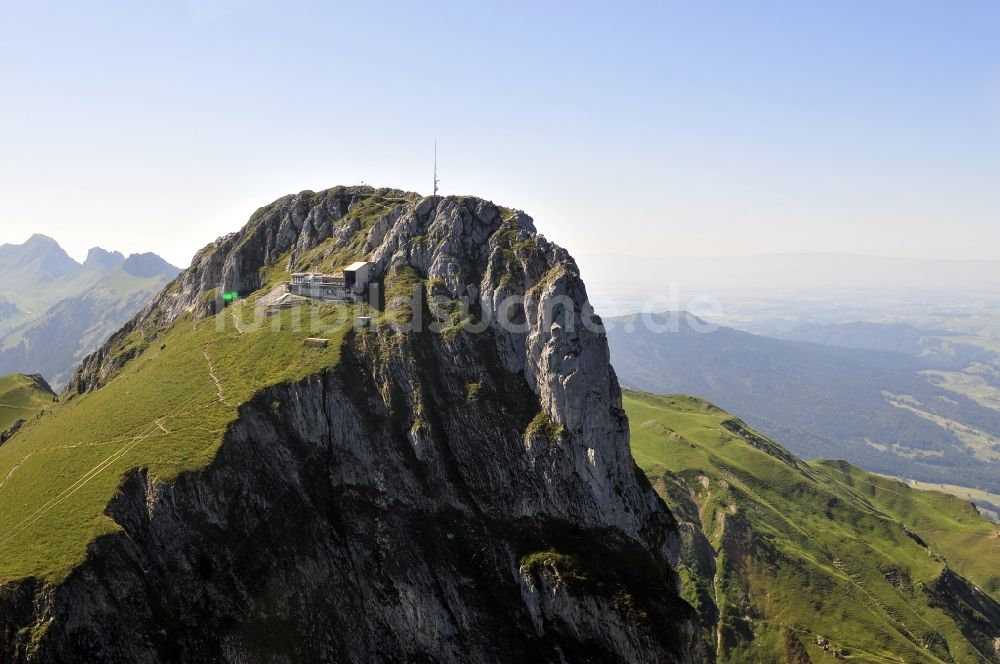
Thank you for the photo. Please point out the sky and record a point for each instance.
(660, 128)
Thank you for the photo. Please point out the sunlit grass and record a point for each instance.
(825, 552)
(20, 399)
(164, 412)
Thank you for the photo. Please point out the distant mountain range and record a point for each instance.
(54, 310)
(875, 408)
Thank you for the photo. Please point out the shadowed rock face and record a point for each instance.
(381, 511)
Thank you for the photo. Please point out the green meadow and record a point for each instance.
(810, 552)
(167, 411)
(21, 398)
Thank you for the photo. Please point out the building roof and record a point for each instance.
(356, 266)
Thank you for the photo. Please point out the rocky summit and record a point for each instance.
(462, 494)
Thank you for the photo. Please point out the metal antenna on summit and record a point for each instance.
(435, 168)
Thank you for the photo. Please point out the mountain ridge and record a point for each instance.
(39, 258)
(74, 313)
(799, 561)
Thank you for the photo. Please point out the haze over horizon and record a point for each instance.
(853, 128)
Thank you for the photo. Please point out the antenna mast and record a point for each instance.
(435, 168)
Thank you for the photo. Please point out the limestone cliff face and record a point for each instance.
(459, 497)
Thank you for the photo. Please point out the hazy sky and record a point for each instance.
(687, 128)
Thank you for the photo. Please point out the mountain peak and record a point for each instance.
(39, 260)
(39, 239)
(500, 439)
(149, 265)
(102, 259)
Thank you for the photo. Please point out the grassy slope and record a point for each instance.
(964, 540)
(21, 398)
(978, 496)
(825, 553)
(164, 412)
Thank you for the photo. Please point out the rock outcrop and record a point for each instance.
(466, 496)
(11, 430)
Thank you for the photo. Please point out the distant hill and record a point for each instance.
(21, 398)
(58, 310)
(936, 349)
(870, 407)
(893, 337)
(794, 561)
